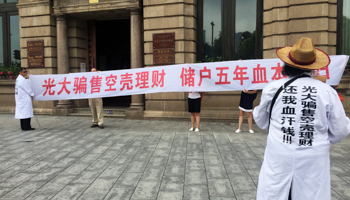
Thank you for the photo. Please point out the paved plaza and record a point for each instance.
(138, 160)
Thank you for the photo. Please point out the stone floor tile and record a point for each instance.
(57, 183)
(222, 198)
(71, 191)
(4, 191)
(47, 174)
(120, 193)
(99, 188)
(195, 178)
(242, 182)
(17, 180)
(139, 160)
(216, 171)
(41, 195)
(194, 164)
(152, 174)
(245, 194)
(170, 195)
(220, 188)
(212, 160)
(24, 190)
(128, 179)
(193, 192)
(146, 190)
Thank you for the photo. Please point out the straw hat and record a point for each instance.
(303, 55)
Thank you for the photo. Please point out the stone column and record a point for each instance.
(135, 111)
(62, 54)
(137, 101)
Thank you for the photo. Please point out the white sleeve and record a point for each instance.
(26, 87)
(261, 112)
(338, 122)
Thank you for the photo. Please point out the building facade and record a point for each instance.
(117, 34)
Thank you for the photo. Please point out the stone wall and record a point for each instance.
(164, 16)
(7, 93)
(179, 16)
(37, 23)
(78, 49)
(285, 21)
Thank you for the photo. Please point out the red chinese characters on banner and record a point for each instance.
(110, 82)
(126, 81)
(80, 85)
(239, 74)
(158, 78)
(96, 84)
(142, 80)
(259, 75)
(64, 84)
(203, 75)
(48, 85)
(278, 72)
(222, 75)
(187, 76)
(323, 69)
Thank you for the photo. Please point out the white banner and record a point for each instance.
(203, 77)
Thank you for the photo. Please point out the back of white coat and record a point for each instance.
(306, 118)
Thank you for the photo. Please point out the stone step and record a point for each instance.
(90, 115)
(107, 112)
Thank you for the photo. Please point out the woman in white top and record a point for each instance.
(194, 107)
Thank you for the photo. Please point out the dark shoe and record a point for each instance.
(94, 125)
(31, 129)
(101, 127)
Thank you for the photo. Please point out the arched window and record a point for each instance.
(229, 29)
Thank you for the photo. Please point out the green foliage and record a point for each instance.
(213, 52)
(9, 72)
(246, 48)
(211, 59)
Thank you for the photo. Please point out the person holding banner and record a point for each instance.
(303, 116)
(23, 97)
(96, 106)
(246, 105)
(194, 107)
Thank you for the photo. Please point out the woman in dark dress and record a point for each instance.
(194, 107)
(246, 105)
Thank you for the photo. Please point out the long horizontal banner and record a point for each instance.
(204, 77)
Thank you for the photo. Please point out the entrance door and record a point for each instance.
(113, 52)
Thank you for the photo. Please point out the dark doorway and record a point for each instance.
(113, 52)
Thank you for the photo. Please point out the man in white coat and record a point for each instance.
(23, 97)
(305, 118)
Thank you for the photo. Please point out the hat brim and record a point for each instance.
(322, 59)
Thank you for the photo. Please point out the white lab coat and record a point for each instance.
(23, 94)
(306, 167)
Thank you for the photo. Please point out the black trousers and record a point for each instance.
(25, 124)
(290, 193)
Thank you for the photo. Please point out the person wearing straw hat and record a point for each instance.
(303, 116)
